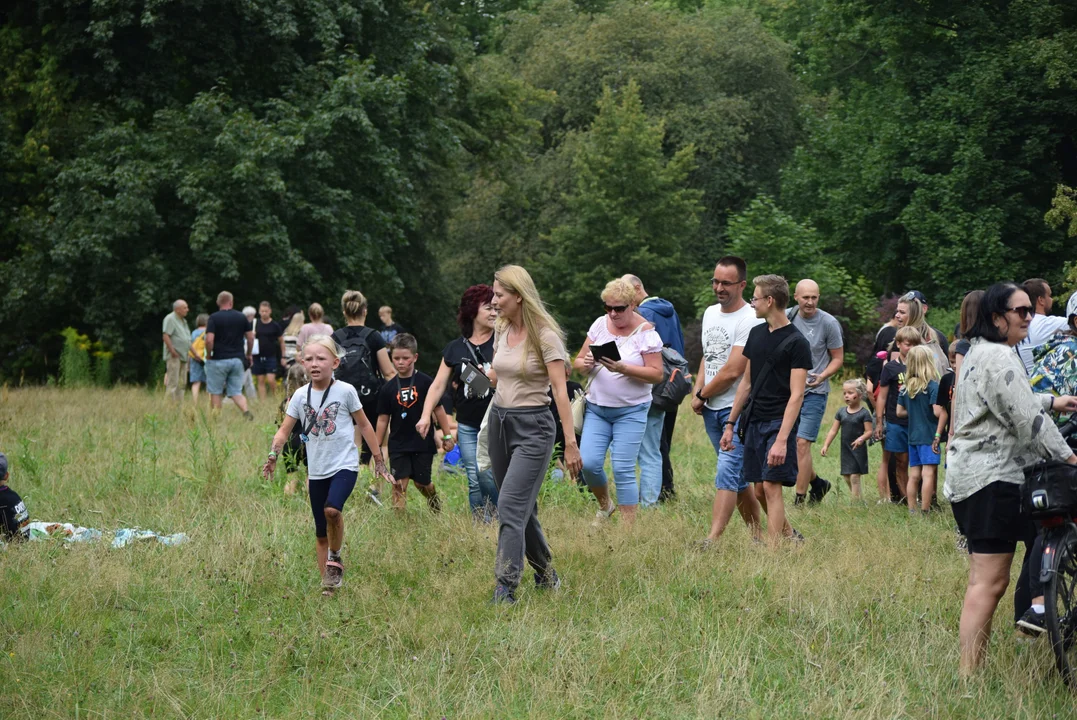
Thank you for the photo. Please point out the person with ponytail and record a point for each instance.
(529, 359)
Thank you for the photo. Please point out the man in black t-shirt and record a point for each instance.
(779, 358)
(400, 406)
(226, 332)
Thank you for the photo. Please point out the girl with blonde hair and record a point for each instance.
(529, 359)
(919, 402)
(332, 422)
(854, 421)
(315, 326)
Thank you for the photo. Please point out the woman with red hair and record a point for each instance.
(472, 391)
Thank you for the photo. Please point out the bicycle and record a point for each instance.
(1050, 496)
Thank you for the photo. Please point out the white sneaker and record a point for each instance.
(601, 516)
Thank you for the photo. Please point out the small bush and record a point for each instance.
(75, 360)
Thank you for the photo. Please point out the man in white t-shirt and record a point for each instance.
(725, 331)
(1042, 326)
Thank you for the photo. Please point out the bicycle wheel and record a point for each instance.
(1060, 596)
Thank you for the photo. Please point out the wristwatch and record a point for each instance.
(699, 394)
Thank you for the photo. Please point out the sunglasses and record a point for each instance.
(615, 308)
(1022, 311)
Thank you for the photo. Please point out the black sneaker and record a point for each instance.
(797, 536)
(550, 580)
(1032, 623)
(503, 596)
(666, 494)
(799, 500)
(818, 491)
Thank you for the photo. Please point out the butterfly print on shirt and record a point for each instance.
(326, 424)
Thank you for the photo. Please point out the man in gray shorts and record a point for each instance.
(828, 354)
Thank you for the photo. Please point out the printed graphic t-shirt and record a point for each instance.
(402, 400)
(331, 438)
(722, 332)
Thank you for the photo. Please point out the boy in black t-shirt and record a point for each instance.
(400, 406)
(777, 393)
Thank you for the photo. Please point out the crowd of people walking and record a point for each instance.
(502, 392)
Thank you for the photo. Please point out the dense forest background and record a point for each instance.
(155, 149)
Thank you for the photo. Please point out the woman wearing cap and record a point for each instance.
(618, 398)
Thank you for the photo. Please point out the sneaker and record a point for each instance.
(819, 489)
(503, 595)
(1032, 623)
(666, 494)
(797, 536)
(549, 580)
(373, 498)
(800, 499)
(603, 515)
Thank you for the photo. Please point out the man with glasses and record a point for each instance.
(828, 355)
(726, 326)
(1043, 325)
(654, 453)
(778, 360)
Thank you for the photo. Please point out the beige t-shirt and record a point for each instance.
(514, 389)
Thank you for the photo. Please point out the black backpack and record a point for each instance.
(358, 367)
(676, 382)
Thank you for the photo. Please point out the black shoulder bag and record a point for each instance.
(768, 366)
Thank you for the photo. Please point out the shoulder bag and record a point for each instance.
(768, 366)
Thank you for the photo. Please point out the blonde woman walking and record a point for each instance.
(529, 359)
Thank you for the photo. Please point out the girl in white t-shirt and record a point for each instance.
(331, 421)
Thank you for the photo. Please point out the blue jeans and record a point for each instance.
(619, 430)
(650, 458)
(224, 377)
(811, 416)
(727, 473)
(480, 485)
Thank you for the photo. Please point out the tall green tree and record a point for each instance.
(163, 150)
(942, 131)
(630, 211)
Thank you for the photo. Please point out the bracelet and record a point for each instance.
(446, 437)
(937, 435)
(730, 423)
(272, 454)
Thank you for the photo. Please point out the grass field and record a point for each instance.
(860, 621)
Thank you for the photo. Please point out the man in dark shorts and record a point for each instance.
(779, 358)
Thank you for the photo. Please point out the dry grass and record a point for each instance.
(859, 622)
